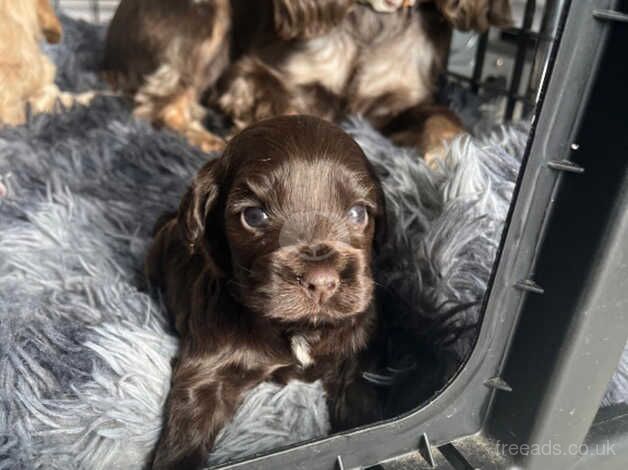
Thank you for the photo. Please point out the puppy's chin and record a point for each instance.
(273, 287)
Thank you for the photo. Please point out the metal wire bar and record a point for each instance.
(526, 39)
(487, 86)
(478, 64)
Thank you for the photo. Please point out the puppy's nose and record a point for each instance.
(321, 283)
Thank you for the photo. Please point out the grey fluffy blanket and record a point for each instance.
(85, 352)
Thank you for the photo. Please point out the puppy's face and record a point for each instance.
(298, 206)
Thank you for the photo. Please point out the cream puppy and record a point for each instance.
(26, 74)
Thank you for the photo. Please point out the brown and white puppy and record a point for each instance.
(26, 74)
(378, 58)
(266, 272)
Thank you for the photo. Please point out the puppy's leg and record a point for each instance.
(50, 95)
(45, 99)
(429, 128)
(204, 396)
(351, 400)
(167, 101)
(167, 53)
(250, 91)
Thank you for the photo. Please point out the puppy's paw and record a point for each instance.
(204, 140)
(435, 155)
(252, 92)
(70, 99)
(85, 98)
(476, 15)
(238, 100)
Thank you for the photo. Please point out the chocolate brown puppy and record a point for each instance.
(380, 59)
(266, 273)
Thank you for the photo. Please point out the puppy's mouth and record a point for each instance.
(319, 292)
(288, 286)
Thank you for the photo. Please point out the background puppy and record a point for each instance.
(273, 57)
(26, 74)
(166, 53)
(266, 271)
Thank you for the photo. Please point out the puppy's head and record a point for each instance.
(288, 217)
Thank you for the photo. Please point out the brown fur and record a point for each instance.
(476, 15)
(26, 74)
(290, 56)
(427, 127)
(305, 19)
(242, 299)
(166, 53)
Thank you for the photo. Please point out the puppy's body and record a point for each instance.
(26, 74)
(321, 57)
(166, 52)
(289, 299)
(365, 62)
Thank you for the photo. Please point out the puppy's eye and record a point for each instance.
(254, 217)
(358, 215)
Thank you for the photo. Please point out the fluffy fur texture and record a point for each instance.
(329, 58)
(85, 353)
(26, 74)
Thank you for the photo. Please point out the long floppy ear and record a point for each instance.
(302, 19)
(477, 15)
(48, 21)
(196, 205)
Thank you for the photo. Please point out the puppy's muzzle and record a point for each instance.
(320, 284)
(320, 279)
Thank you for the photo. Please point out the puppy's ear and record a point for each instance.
(196, 205)
(476, 15)
(48, 21)
(302, 19)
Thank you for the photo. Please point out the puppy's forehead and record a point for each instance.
(310, 182)
(300, 161)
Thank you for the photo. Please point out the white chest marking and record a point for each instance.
(301, 351)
